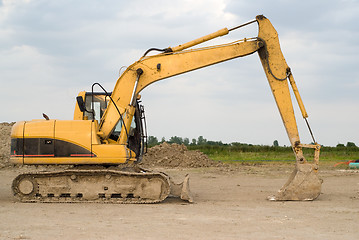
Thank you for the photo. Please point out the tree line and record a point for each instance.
(202, 142)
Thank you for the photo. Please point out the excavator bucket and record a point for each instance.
(302, 185)
(181, 190)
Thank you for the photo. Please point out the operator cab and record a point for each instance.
(92, 106)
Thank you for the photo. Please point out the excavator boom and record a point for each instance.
(162, 66)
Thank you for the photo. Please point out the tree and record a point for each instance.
(163, 140)
(186, 141)
(194, 141)
(152, 141)
(351, 144)
(176, 139)
(275, 143)
(201, 140)
(215, 143)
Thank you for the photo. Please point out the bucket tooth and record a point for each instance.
(302, 185)
(181, 190)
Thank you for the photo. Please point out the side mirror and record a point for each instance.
(81, 103)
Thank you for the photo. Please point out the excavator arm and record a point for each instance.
(304, 183)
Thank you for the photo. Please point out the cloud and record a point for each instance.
(51, 50)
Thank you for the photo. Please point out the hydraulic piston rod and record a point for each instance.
(208, 37)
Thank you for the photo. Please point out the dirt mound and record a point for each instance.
(175, 155)
(5, 130)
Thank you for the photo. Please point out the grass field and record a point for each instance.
(247, 153)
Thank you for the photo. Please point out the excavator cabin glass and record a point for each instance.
(97, 102)
(137, 136)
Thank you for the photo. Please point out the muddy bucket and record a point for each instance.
(303, 184)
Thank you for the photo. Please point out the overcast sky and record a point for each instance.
(51, 50)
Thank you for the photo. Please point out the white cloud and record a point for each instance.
(50, 50)
(33, 63)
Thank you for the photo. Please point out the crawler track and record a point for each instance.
(100, 186)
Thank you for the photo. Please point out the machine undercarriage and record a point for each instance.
(101, 185)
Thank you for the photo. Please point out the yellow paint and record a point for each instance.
(78, 115)
(17, 130)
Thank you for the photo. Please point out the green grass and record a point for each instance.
(247, 153)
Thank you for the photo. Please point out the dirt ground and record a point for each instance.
(229, 204)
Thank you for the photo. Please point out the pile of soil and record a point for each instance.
(175, 155)
(5, 130)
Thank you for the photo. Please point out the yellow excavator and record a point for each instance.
(107, 136)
